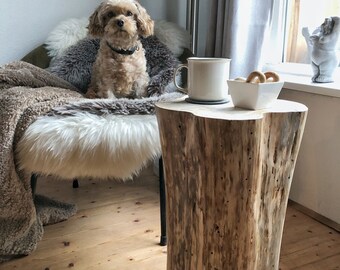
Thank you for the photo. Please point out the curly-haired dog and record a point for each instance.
(120, 66)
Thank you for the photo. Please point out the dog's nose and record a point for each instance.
(120, 23)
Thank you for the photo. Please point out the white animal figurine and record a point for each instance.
(323, 47)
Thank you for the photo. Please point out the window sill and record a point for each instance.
(298, 77)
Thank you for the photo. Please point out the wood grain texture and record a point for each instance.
(227, 187)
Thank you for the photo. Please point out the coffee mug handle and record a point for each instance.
(184, 90)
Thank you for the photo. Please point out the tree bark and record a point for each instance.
(227, 185)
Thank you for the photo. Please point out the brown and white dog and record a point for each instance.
(120, 66)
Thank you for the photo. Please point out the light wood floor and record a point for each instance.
(117, 228)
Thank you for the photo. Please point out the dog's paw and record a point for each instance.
(91, 94)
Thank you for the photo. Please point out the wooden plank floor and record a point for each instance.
(117, 227)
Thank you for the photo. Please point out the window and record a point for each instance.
(304, 13)
(286, 49)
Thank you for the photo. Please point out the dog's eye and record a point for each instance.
(129, 13)
(110, 14)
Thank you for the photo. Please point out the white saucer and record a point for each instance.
(207, 102)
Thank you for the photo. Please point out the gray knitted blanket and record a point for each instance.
(27, 92)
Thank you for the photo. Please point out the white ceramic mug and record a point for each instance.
(207, 78)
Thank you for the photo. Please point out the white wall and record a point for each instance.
(25, 24)
(315, 183)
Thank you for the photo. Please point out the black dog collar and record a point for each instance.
(122, 51)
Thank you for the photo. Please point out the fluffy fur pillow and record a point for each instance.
(75, 65)
(64, 35)
(173, 36)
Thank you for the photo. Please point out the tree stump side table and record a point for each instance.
(228, 173)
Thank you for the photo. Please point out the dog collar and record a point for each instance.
(122, 51)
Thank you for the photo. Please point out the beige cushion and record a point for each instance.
(38, 57)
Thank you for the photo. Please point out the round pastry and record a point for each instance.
(256, 77)
(272, 76)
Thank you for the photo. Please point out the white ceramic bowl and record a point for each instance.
(254, 96)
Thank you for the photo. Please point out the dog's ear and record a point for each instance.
(95, 26)
(145, 24)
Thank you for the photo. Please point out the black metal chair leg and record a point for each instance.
(34, 179)
(75, 183)
(162, 198)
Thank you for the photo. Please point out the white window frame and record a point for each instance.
(297, 75)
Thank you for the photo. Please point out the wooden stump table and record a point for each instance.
(228, 173)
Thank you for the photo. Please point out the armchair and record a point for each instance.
(77, 138)
(99, 145)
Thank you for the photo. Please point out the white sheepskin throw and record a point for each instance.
(87, 145)
(173, 36)
(70, 31)
(66, 34)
